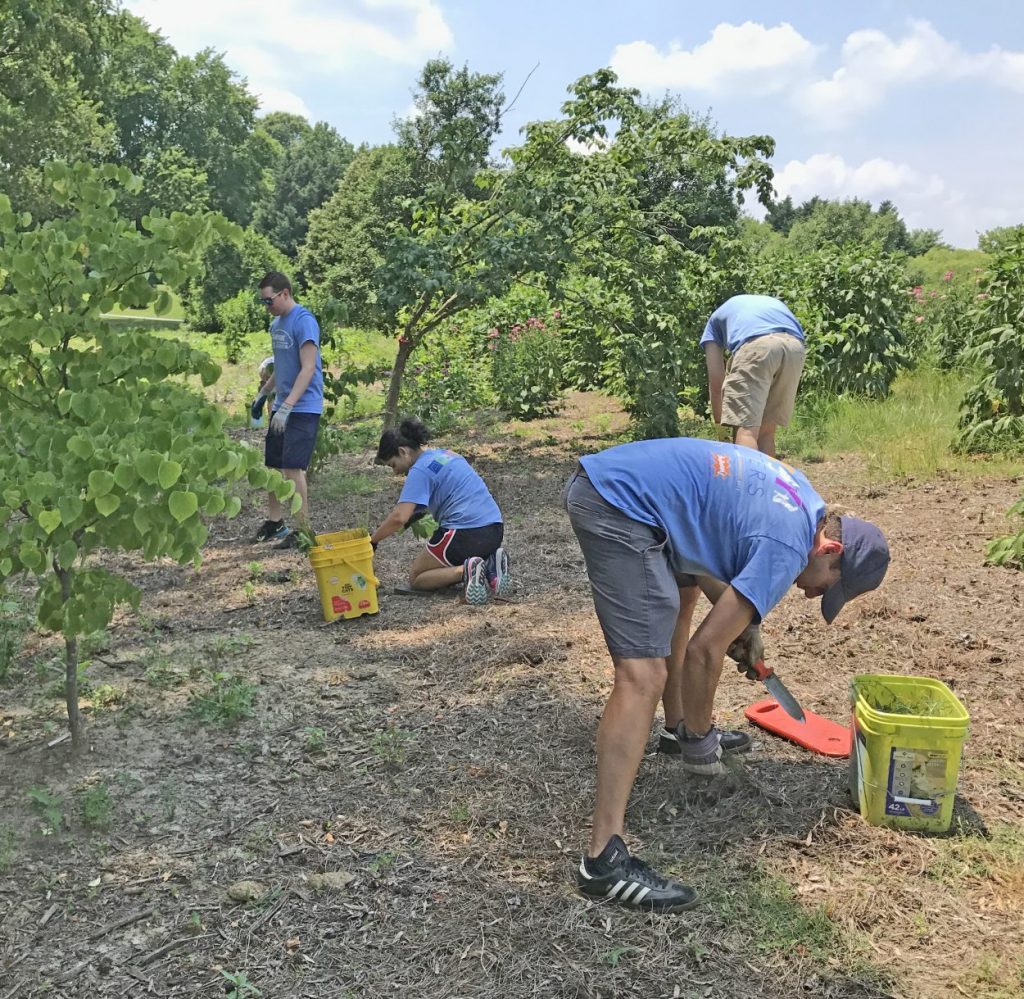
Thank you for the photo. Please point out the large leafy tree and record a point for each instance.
(349, 235)
(305, 176)
(49, 49)
(474, 230)
(105, 447)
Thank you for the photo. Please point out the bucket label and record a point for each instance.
(364, 604)
(917, 782)
(339, 605)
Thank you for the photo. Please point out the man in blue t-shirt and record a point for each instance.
(766, 347)
(298, 386)
(658, 521)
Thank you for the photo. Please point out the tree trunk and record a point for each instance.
(75, 723)
(405, 347)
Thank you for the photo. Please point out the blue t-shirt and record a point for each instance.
(729, 512)
(744, 317)
(445, 482)
(288, 333)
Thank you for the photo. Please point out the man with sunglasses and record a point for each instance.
(298, 384)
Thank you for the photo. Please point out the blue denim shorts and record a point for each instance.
(636, 592)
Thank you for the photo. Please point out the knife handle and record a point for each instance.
(760, 672)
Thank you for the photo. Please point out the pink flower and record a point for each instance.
(557, 313)
(948, 276)
(517, 328)
(981, 296)
(492, 334)
(918, 319)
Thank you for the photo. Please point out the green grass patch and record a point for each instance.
(334, 483)
(907, 434)
(996, 857)
(228, 701)
(765, 910)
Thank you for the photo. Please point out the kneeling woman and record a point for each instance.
(466, 547)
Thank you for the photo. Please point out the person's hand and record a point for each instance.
(256, 409)
(746, 649)
(280, 419)
(373, 545)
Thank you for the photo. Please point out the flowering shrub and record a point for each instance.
(526, 366)
(943, 321)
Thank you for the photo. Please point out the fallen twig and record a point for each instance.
(126, 921)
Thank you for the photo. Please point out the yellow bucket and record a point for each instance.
(908, 736)
(343, 565)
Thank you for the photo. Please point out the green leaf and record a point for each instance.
(107, 504)
(182, 505)
(100, 482)
(168, 474)
(234, 504)
(81, 447)
(49, 520)
(66, 553)
(148, 466)
(124, 475)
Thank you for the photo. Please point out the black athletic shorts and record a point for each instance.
(294, 447)
(453, 546)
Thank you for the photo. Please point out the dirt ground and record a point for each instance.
(438, 761)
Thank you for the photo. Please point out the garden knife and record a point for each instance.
(777, 689)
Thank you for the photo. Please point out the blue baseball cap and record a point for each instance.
(861, 566)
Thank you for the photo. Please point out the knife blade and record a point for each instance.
(778, 690)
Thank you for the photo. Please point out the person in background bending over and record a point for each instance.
(766, 356)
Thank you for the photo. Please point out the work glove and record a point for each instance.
(256, 409)
(747, 649)
(700, 754)
(280, 418)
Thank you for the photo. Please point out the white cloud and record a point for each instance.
(276, 43)
(830, 176)
(924, 199)
(747, 58)
(873, 64)
(586, 147)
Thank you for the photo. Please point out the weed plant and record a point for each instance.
(228, 701)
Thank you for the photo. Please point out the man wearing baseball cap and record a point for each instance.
(658, 521)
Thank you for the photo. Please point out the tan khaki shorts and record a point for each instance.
(761, 384)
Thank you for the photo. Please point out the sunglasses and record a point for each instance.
(270, 301)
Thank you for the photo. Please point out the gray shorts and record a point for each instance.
(636, 593)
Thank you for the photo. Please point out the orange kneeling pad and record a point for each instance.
(820, 735)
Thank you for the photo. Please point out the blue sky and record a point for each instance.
(922, 103)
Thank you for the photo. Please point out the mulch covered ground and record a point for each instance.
(449, 793)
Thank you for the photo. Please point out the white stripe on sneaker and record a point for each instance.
(641, 895)
(624, 897)
(583, 871)
(615, 889)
